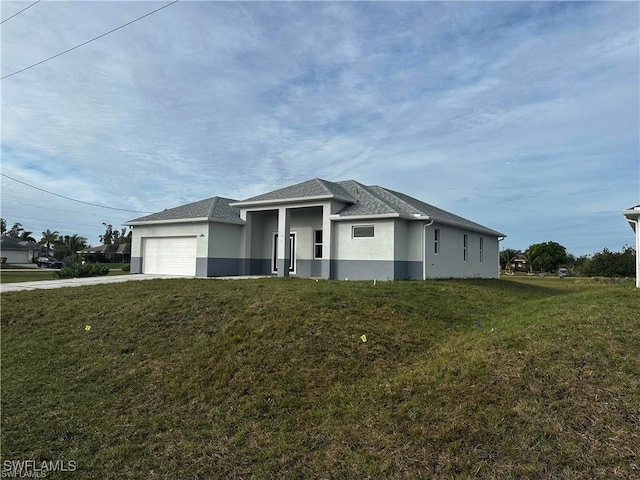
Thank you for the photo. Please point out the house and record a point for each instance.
(318, 228)
(633, 217)
(519, 263)
(111, 252)
(15, 250)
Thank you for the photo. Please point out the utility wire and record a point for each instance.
(17, 13)
(88, 41)
(69, 198)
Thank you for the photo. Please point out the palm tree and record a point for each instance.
(77, 243)
(26, 235)
(506, 256)
(69, 245)
(49, 238)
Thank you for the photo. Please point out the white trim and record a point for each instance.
(290, 201)
(274, 252)
(353, 218)
(239, 221)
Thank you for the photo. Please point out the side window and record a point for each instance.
(362, 231)
(481, 249)
(465, 247)
(317, 244)
(436, 241)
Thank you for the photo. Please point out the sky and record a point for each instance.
(521, 116)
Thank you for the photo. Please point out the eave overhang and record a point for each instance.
(133, 223)
(287, 201)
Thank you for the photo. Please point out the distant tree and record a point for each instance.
(3, 225)
(114, 237)
(577, 264)
(546, 257)
(611, 264)
(69, 246)
(16, 230)
(107, 237)
(49, 238)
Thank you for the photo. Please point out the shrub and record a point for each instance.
(72, 268)
(126, 268)
(611, 264)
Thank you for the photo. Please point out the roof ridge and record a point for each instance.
(396, 195)
(212, 206)
(366, 188)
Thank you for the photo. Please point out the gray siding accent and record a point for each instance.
(136, 264)
(363, 269)
(223, 267)
(414, 270)
(376, 269)
(309, 268)
(260, 266)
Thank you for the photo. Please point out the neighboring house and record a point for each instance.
(519, 262)
(16, 250)
(339, 230)
(633, 217)
(120, 252)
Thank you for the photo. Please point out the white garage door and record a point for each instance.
(169, 256)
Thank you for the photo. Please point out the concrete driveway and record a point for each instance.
(77, 282)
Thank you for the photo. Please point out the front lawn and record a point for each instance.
(271, 378)
(37, 274)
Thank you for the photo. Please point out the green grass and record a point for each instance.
(38, 274)
(268, 378)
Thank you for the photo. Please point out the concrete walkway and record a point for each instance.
(77, 282)
(81, 282)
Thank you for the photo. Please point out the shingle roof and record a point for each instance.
(315, 187)
(362, 200)
(440, 215)
(11, 243)
(376, 200)
(214, 208)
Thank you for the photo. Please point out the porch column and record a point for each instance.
(284, 245)
(326, 241)
(245, 259)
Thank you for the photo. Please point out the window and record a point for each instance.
(363, 231)
(481, 249)
(465, 246)
(436, 240)
(317, 244)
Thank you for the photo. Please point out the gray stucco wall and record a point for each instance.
(449, 262)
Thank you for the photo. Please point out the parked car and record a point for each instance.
(48, 262)
(563, 272)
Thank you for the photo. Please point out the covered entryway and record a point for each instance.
(169, 256)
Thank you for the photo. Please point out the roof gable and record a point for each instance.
(213, 209)
(314, 188)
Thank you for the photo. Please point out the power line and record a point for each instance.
(88, 41)
(17, 13)
(69, 198)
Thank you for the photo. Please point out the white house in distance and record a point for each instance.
(16, 251)
(633, 217)
(334, 230)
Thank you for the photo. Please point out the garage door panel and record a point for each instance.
(170, 256)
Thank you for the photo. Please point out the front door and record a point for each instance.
(274, 255)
